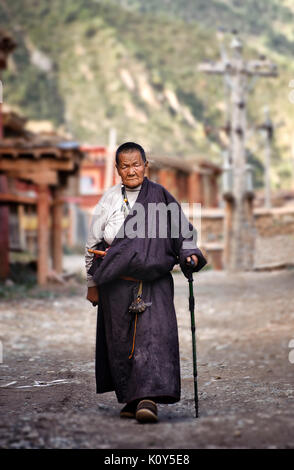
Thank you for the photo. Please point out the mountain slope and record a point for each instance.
(90, 65)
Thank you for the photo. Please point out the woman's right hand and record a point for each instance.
(93, 295)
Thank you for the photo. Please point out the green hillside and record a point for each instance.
(251, 17)
(91, 65)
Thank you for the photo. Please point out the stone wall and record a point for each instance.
(274, 236)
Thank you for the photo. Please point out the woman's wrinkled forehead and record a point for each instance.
(130, 156)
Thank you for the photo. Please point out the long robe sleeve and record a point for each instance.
(95, 236)
(186, 242)
(106, 220)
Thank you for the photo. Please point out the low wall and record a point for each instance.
(274, 236)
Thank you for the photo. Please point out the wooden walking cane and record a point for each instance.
(97, 252)
(193, 330)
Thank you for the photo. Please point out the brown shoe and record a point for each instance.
(129, 410)
(146, 412)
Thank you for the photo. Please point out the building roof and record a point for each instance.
(186, 165)
(46, 158)
(18, 141)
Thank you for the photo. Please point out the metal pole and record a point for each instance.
(191, 264)
(193, 330)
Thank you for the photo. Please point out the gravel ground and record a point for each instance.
(246, 389)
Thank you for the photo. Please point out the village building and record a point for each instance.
(39, 173)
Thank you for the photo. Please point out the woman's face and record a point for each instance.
(131, 168)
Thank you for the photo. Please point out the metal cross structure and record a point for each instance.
(239, 220)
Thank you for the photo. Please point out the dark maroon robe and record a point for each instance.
(154, 369)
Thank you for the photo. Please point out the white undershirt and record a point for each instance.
(106, 220)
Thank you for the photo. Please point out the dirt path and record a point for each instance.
(246, 386)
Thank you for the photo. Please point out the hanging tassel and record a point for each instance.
(137, 306)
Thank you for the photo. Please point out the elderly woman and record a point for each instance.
(137, 350)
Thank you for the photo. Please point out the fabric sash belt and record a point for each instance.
(129, 278)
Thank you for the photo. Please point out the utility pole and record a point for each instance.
(267, 129)
(239, 226)
(108, 181)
